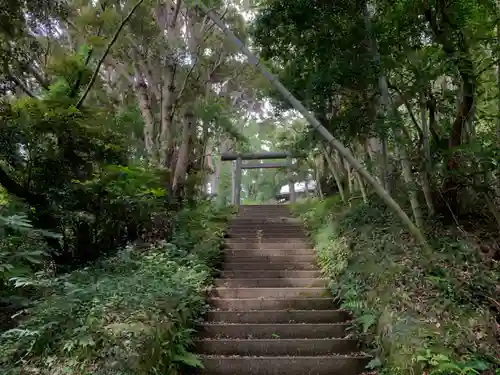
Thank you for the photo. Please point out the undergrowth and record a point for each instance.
(420, 316)
(132, 313)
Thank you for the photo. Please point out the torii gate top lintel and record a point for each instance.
(238, 166)
(226, 156)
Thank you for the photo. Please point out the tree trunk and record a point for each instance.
(336, 176)
(184, 151)
(361, 187)
(456, 47)
(167, 114)
(498, 75)
(408, 179)
(349, 181)
(381, 151)
(427, 164)
(384, 103)
(168, 88)
(147, 113)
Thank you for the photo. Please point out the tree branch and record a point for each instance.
(410, 112)
(184, 84)
(176, 13)
(21, 85)
(78, 82)
(16, 189)
(41, 80)
(106, 52)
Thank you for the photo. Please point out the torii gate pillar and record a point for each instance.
(236, 182)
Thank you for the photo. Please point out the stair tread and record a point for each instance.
(278, 357)
(208, 323)
(264, 290)
(333, 364)
(278, 299)
(276, 340)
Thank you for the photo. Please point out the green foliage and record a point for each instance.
(440, 364)
(132, 313)
(424, 314)
(71, 171)
(22, 249)
(318, 54)
(120, 204)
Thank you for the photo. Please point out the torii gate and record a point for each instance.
(238, 165)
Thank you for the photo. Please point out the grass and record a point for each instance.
(421, 316)
(133, 313)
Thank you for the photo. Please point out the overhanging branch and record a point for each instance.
(106, 52)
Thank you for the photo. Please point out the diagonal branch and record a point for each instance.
(106, 52)
(184, 84)
(78, 82)
(41, 80)
(21, 85)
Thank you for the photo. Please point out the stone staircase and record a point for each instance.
(271, 312)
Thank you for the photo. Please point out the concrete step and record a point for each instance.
(268, 293)
(282, 216)
(263, 208)
(298, 266)
(267, 243)
(296, 234)
(278, 316)
(266, 225)
(267, 252)
(250, 258)
(264, 221)
(270, 274)
(266, 214)
(272, 283)
(244, 304)
(273, 331)
(266, 236)
(276, 347)
(318, 365)
(275, 217)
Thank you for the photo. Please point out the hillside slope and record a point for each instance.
(419, 314)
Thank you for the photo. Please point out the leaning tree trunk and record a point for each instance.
(343, 151)
(336, 176)
(427, 164)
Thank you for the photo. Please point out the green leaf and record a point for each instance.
(188, 359)
(374, 363)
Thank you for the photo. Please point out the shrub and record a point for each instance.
(22, 252)
(117, 206)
